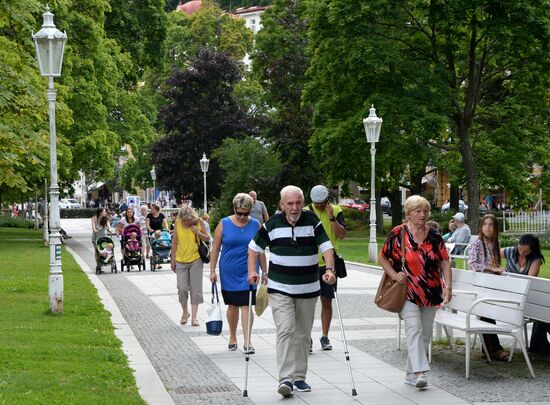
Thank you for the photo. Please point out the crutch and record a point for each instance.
(248, 328)
(346, 352)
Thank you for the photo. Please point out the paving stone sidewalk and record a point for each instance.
(189, 376)
(197, 369)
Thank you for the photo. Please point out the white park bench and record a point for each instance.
(485, 295)
(537, 304)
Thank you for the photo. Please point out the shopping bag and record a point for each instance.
(261, 300)
(214, 324)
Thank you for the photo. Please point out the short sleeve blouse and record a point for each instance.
(422, 262)
(155, 223)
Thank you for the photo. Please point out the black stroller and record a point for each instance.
(132, 248)
(104, 254)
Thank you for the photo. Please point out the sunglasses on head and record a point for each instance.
(242, 214)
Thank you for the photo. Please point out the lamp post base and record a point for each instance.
(373, 252)
(55, 288)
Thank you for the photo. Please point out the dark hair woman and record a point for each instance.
(485, 257)
(525, 258)
(100, 212)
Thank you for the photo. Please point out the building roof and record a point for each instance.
(248, 10)
(190, 7)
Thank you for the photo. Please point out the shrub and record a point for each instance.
(7, 221)
(77, 213)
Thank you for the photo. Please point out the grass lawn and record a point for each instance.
(355, 248)
(73, 358)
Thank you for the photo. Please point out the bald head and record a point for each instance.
(253, 195)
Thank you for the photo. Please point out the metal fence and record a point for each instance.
(526, 222)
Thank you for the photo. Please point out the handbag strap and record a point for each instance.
(215, 290)
(403, 248)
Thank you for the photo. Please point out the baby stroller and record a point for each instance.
(103, 255)
(160, 249)
(132, 248)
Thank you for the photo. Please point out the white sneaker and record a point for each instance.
(410, 379)
(421, 381)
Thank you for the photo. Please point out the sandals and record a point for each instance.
(232, 346)
(250, 350)
(194, 322)
(184, 318)
(501, 355)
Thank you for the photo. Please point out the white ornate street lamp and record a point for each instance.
(50, 44)
(154, 177)
(204, 167)
(372, 124)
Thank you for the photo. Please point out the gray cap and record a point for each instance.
(459, 216)
(319, 194)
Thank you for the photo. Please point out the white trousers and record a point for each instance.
(294, 319)
(418, 332)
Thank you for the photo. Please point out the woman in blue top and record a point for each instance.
(232, 236)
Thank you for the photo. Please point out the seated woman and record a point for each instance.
(526, 259)
(485, 257)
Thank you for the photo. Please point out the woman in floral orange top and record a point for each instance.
(425, 257)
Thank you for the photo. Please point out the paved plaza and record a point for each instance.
(177, 364)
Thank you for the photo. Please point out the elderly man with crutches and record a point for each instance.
(294, 237)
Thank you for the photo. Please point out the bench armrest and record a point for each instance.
(464, 292)
(487, 299)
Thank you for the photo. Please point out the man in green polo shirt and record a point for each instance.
(294, 237)
(332, 218)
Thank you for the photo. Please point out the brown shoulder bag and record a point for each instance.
(391, 295)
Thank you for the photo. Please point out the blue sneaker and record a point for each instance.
(285, 389)
(302, 386)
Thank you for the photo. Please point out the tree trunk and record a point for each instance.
(471, 176)
(454, 198)
(396, 208)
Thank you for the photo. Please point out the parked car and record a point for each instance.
(463, 207)
(385, 204)
(355, 203)
(70, 203)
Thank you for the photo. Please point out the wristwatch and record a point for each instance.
(330, 269)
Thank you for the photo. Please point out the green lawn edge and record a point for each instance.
(72, 358)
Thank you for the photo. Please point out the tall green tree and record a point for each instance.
(248, 164)
(140, 29)
(279, 64)
(475, 58)
(201, 111)
(349, 71)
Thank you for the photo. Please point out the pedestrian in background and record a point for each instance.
(186, 262)
(334, 224)
(425, 258)
(460, 235)
(259, 210)
(294, 238)
(100, 212)
(232, 236)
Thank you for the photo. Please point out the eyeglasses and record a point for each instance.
(242, 214)
(294, 242)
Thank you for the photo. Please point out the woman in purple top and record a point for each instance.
(485, 257)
